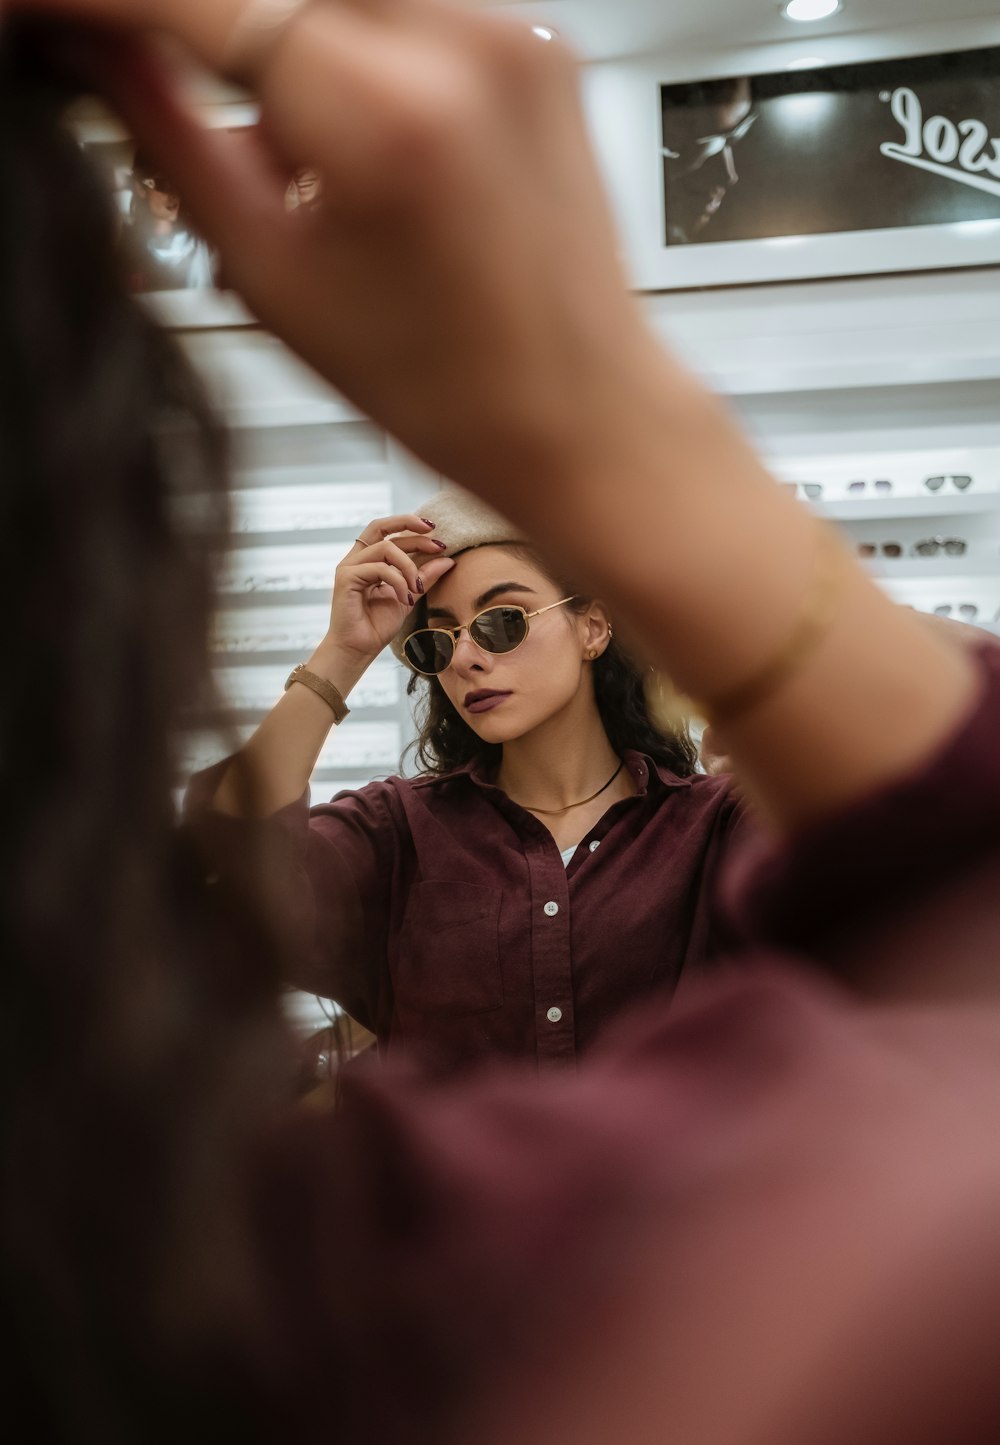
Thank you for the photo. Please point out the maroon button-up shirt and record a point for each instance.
(441, 916)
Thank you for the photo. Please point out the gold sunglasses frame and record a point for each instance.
(455, 632)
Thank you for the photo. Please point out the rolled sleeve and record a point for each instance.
(328, 871)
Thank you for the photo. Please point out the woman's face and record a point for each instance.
(161, 197)
(503, 696)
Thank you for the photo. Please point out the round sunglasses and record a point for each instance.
(430, 650)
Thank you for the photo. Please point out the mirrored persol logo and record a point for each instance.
(965, 152)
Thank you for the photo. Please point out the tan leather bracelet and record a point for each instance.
(319, 685)
(666, 706)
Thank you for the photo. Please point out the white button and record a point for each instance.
(551, 909)
(595, 845)
(554, 1015)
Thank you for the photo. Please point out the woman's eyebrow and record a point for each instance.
(487, 597)
(484, 599)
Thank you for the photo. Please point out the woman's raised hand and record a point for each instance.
(460, 280)
(393, 562)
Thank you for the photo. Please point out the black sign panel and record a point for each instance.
(884, 144)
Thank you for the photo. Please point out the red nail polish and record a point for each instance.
(420, 585)
(438, 543)
(427, 522)
(409, 598)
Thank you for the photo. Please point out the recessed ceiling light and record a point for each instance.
(809, 9)
(807, 62)
(544, 32)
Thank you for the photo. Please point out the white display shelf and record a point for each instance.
(312, 501)
(928, 571)
(357, 746)
(257, 689)
(905, 469)
(281, 572)
(936, 504)
(872, 332)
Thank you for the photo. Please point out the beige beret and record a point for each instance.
(461, 521)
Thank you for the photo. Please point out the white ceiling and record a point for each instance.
(607, 29)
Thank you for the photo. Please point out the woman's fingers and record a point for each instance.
(382, 574)
(401, 553)
(459, 269)
(382, 527)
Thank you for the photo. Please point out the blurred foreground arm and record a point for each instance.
(461, 285)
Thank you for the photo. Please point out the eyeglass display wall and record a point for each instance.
(924, 519)
(879, 402)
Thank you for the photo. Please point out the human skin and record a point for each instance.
(465, 291)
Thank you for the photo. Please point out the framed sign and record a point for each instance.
(876, 166)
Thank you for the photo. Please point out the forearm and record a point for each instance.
(274, 767)
(668, 511)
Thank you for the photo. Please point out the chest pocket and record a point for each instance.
(449, 950)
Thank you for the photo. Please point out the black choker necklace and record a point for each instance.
(602, 789)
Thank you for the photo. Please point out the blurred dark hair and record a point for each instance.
(138, 1039)
(445, 741)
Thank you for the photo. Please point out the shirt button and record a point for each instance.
(551, 909)
(554, 1015)
(595, 845)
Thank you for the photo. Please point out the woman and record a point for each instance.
(770, 1216)
(162, 254)
(547, 802)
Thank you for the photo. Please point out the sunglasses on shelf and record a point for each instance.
(430, 650)
(966, 610)
(931, 546)
(882, 484)
(872, 549)
(961, 480)
(811, 489)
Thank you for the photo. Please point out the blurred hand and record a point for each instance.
(460, 282)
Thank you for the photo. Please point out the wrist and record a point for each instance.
(339, 665)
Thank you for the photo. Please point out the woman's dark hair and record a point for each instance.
(445, 741)
(138, 1041)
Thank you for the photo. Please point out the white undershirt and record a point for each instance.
(567, 854)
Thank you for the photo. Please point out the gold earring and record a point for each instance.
(592, 653)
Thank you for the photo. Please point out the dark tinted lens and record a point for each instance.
(855, 486)
(499, 629)
(926, 549)
(944, 610)
(882, 485)
(954, 547)
(962, 482)
(892, 549)
(429, 650)
(934, 484)
(813, 489)
(968, 610)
